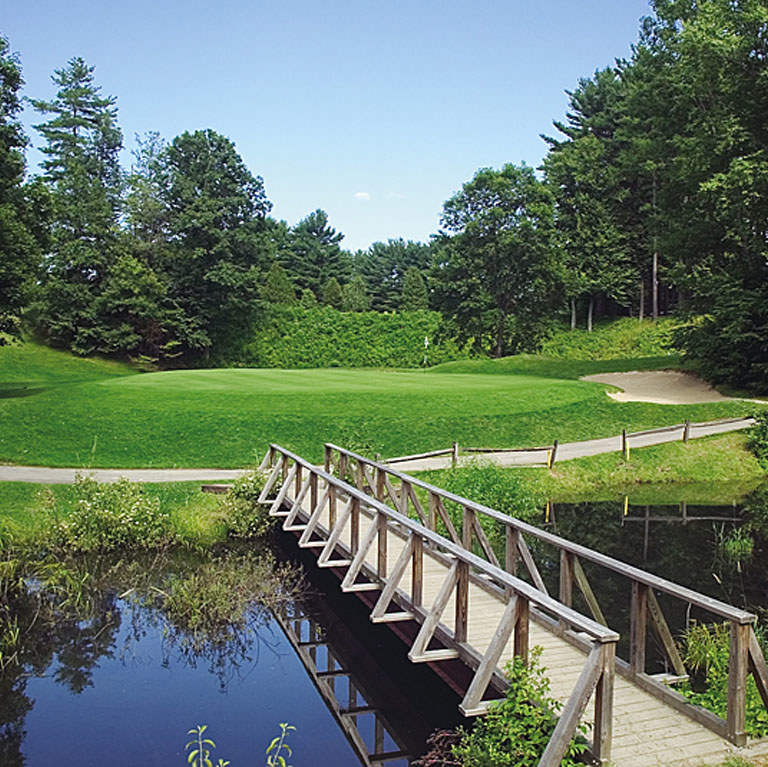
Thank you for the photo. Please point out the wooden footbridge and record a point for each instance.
(460, 582)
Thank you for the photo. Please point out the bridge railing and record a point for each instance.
(353, 530)
(427, 502)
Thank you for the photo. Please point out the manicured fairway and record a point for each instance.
(102, 415)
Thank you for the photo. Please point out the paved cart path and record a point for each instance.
(55, 476)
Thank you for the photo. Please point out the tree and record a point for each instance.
(19, 245)
(83, 174)
(415, 296)
(312, 254)
(332, 295)
(498, 272)
(384, 266)
(308, 299)
(277, 287)
(217, 222)
(354, 297)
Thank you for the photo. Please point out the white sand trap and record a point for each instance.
(664, 387)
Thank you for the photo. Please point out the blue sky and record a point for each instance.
(374, 110)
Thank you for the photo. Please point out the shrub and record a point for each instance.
(245, 517)
(516, 730)
(757, 441)
(298, 337)
(113, 515)
(706, 650)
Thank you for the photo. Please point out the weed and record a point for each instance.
(245, 517)
(278, 747)
(200, 753)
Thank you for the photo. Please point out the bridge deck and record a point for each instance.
(646, 732)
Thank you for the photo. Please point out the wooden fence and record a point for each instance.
(391, 486)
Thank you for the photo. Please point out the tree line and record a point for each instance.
(653, 197)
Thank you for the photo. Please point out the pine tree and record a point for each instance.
(332, 295)
(277, 287)
(354, 297)
(308, 299)
(414, 297)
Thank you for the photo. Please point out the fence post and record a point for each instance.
(737, 683)
(624, 444)
(327, 461)
(686, 431)
(553, 454)
(455, 454)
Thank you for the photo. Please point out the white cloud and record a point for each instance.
(362, 195)
(395, 196)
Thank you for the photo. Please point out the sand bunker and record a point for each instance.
(664, 387)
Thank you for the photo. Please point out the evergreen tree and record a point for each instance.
(83, 173)
(277, 287)
(415, 297)
(332, 295)
(312, 254)
(354, 297)
(308, 299)
(19, 245)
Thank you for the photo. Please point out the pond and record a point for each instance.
(108, 677)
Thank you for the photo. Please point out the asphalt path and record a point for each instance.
(53, 476)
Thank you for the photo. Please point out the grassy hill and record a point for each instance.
(92, 413)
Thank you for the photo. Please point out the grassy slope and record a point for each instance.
(98, 414)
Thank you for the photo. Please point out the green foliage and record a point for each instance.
(706, 650)
(498, 273)
(758, 438)
(277, 288)
(112, 515)
(624, 338)
(332, 295)
(200, 749)
(516, 730)
(308, 299)
(354, 296)
(415, 297)
(278, 749)
(323, 337)
(245, 518)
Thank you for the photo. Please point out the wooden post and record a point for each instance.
(686, 431)
(737, 683)
(566, 580)
(405, 493)
(603, 731)
(521, 640)
(432, 519)
(455, 454)
(637, 630)
(553, 454)
(331, 506)
(462, 603)
(380, 484)
(312, 491)
(343, 467)
(624, 444)
(511, 545)
(297, 487)
(285, 467)
(359, 475)
(327, 461)
(381, 558)
(417, 572)
(354, 526)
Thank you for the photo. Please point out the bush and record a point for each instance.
(113, 515)
(516, 730)
(706, 650)
(757, 441)
(245, 517)
(298, 337)
(626, 338)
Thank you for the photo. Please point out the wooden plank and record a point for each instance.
(417, 505)
(472, 704)
(664, 635)
(288, 522)
(485, 544)
(280, 497)
(573, 709)
(269, 484)
(348, 582)
(417, 572)
(305, 541)
(530, 565)
(324, 560)
(522, 629)
(589, 596)
(381, 559)
(602, 733)
(354, 526)
(446, 519)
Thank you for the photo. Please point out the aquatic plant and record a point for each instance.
(278, 747)
(200, 755)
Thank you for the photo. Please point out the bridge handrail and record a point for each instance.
(594, 629)
(715, 606)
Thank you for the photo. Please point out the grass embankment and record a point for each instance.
(96, 414)
(26, 515)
